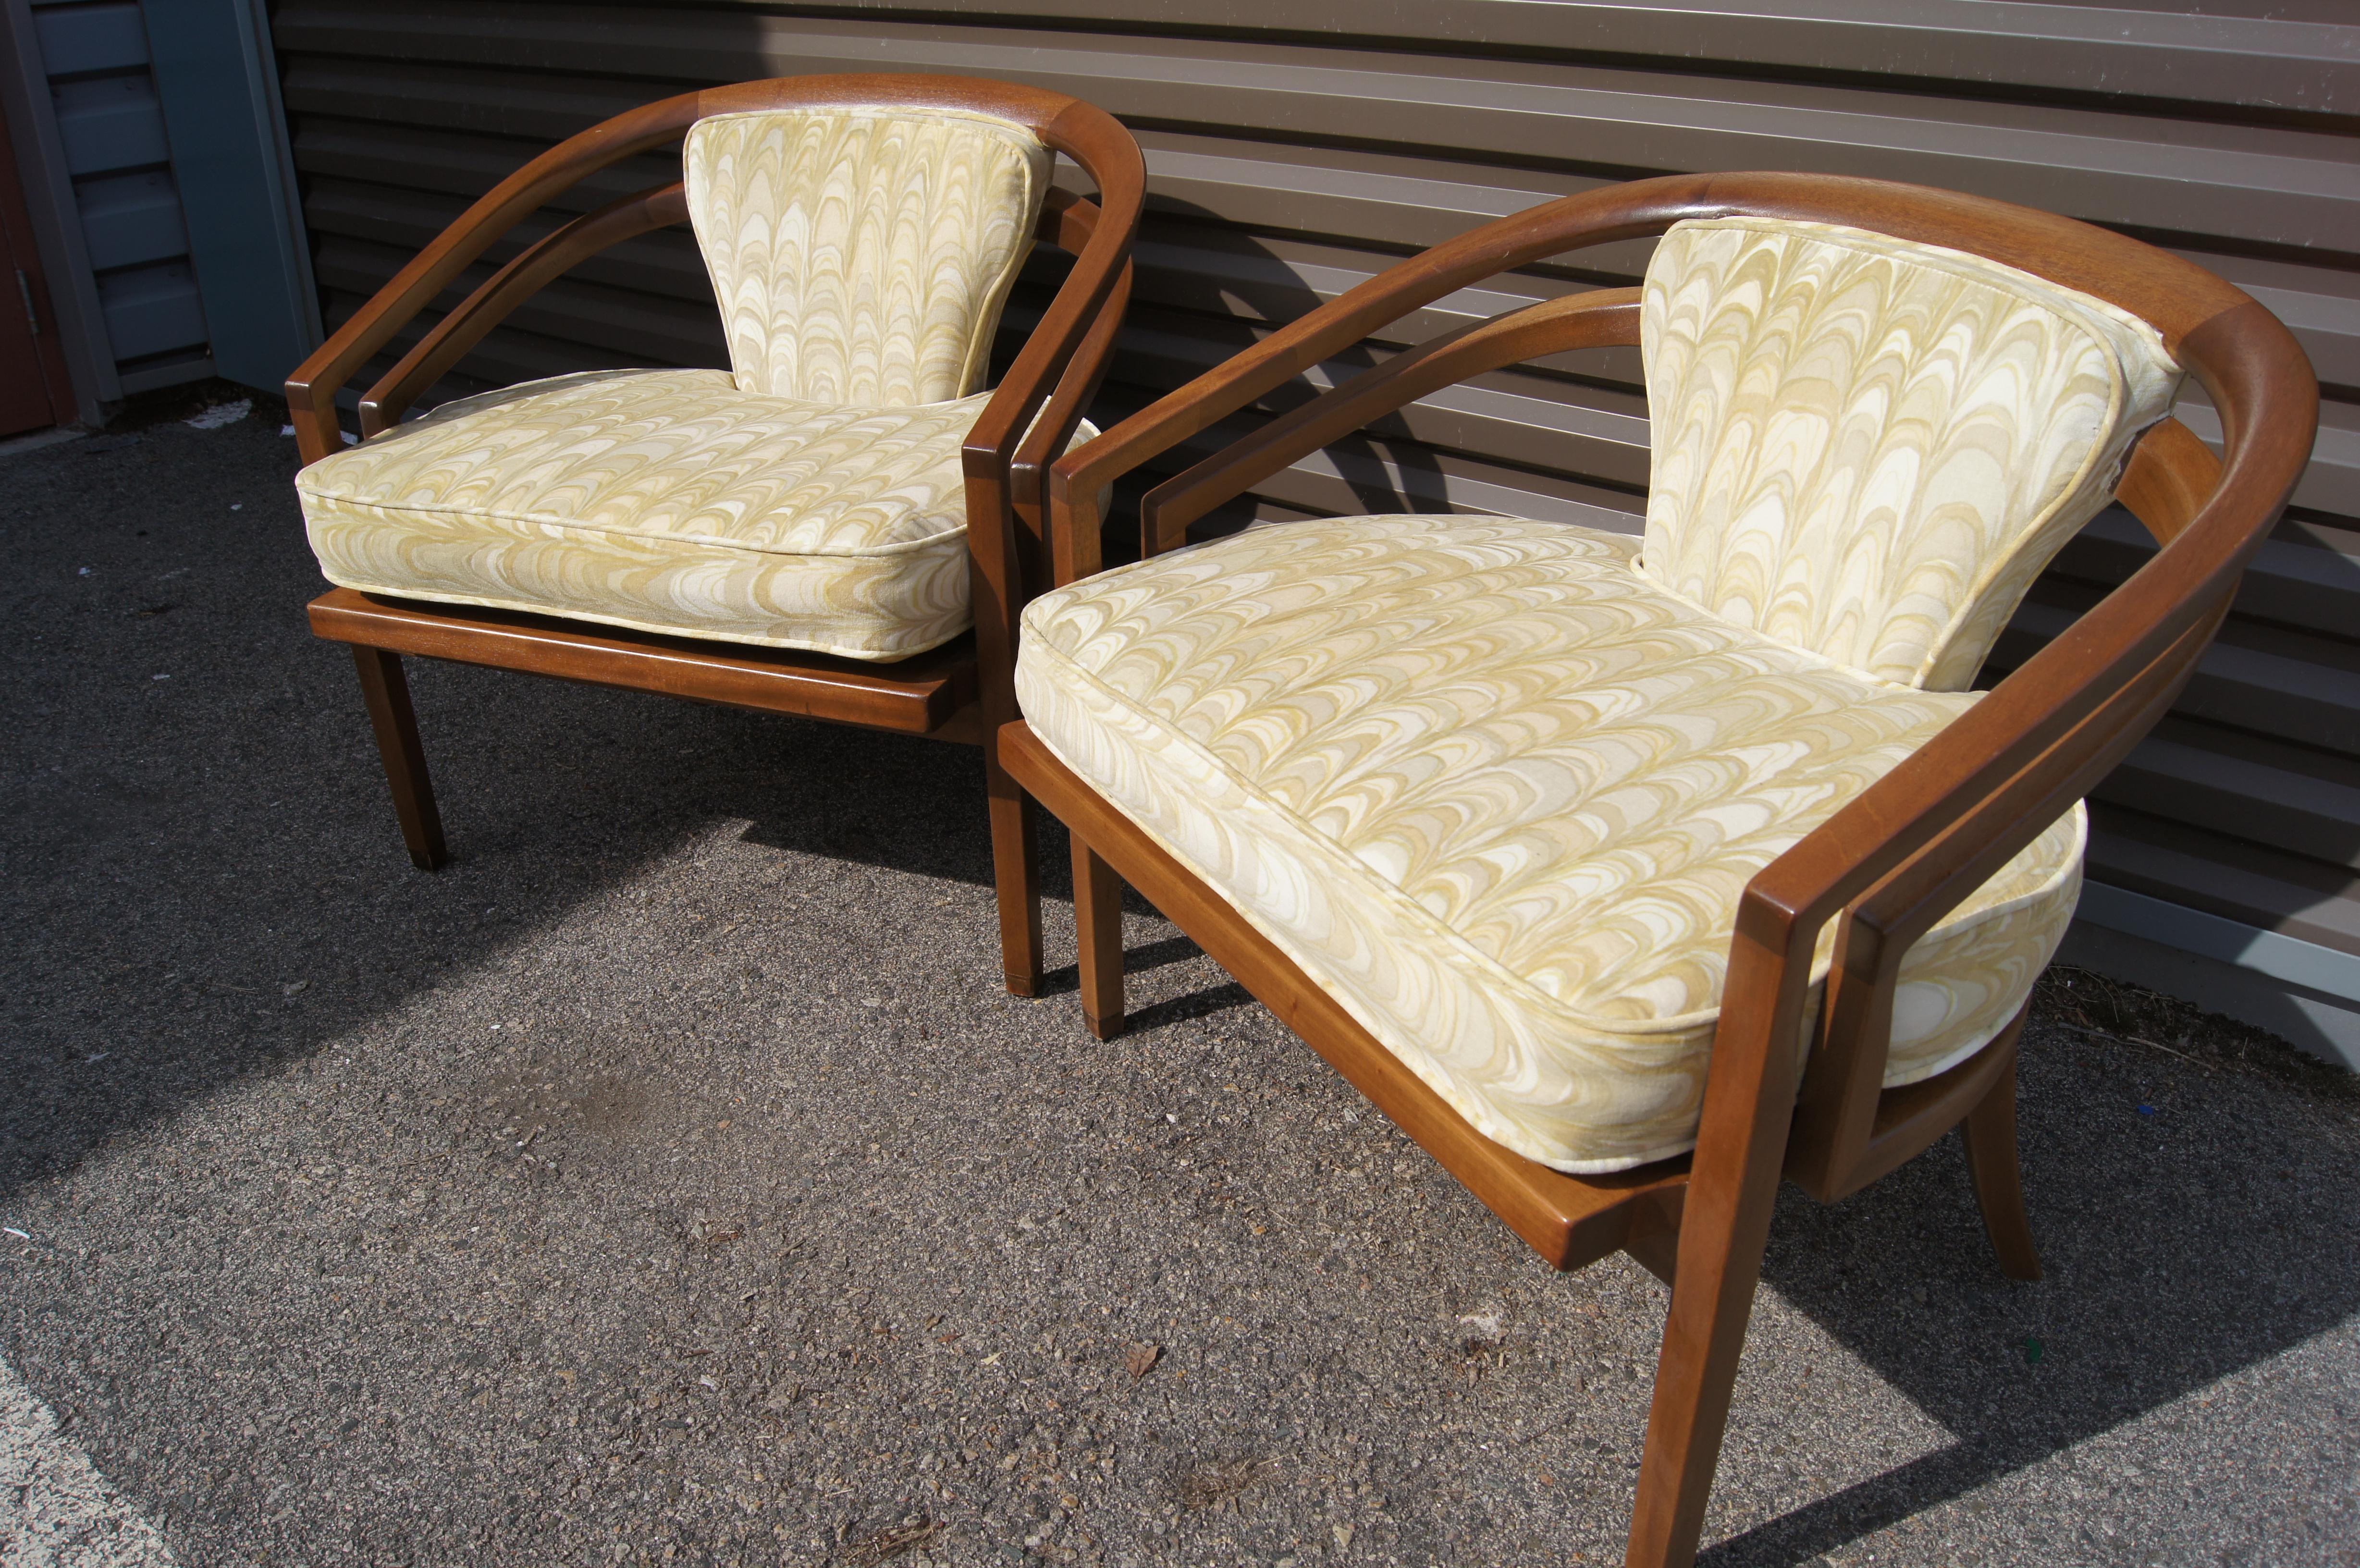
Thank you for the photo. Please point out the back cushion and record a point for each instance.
(861, 255)
(1868, 448)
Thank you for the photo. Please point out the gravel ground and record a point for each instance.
(669, 1180)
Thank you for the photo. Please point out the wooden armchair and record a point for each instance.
(1630, 877)
(813, 533)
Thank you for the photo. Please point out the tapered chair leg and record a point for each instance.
(1097, 936)
(1732, 1188)
(386, 689)
(1992, 1165)
(1719, 1263)
(1016, 878)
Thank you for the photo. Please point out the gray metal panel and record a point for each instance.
(99, 129)
(130, 218)
(76, 39)
(110, 123)
(57, 224)
(219, 91)
(153, 311)
(1283, 171)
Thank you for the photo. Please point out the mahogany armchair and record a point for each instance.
(1632, 876)
(814, 532)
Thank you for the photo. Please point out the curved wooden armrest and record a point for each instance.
(1636, 210)
(1605, 318)
(1062, 415)
(311, 390)
(1103, 257)
(2167, 479)
(383, 405)
(1067, 223)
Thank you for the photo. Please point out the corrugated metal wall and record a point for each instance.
(111, 133)
(1295, 146)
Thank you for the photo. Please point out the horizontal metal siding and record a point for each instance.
(1298, 146)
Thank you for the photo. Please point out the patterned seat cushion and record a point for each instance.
(1498, 792)
(810, 497)
(667, 501)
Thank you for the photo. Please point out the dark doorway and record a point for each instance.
(34, 392)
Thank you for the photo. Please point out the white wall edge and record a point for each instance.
(2325, 969)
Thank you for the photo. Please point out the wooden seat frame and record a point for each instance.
(1885, 868)
(958, 693)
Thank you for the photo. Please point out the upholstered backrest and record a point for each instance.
(1868, 448)
(861, 255)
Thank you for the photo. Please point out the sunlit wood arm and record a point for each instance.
(383, 405)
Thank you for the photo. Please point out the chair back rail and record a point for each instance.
(1081, 131)
(2176, 296)
(1067, 223)
(467, 322)
(1605, 318)
(1058, 420)
(2165, 481)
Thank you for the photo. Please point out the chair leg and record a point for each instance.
(1993, 1168)
(1097, 934)
(1719, 1265)
(1016, 876)
(1724, 1224)
(386, 689)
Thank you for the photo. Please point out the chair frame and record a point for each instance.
(1885, 868)
(958, 693)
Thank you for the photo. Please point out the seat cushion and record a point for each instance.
(1868, 447)
(1497, 794)
(667, 501)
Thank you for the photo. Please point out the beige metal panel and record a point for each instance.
(2302, 55)
(2306, 803)
(1284, 173)
(2232, 878)
(2272, 184)
(1405, 201)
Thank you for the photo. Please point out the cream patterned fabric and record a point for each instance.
(861, 257)
(1498, 792)
(667, 501)
(1868, 448)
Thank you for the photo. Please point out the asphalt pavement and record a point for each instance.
(670, 1180)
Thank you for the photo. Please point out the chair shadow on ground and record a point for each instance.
(2173, 1260)
(2174, 1257)
(207, 880)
